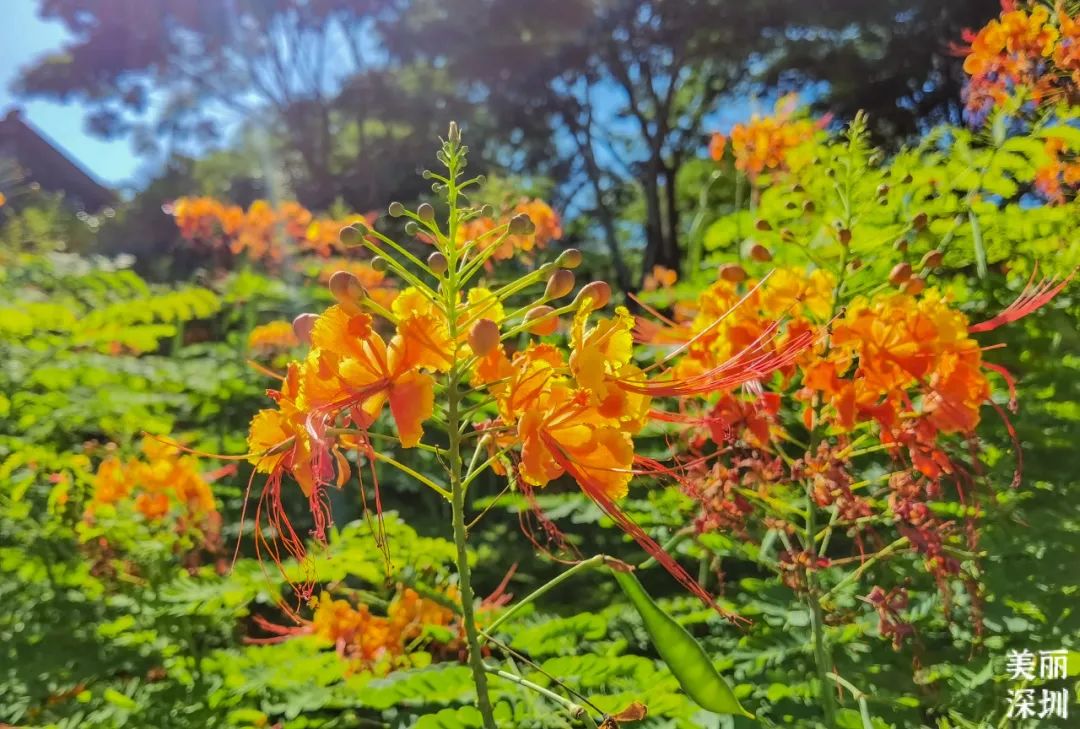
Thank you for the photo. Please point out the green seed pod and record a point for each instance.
(411, 228)
(379, 264)
(425, 212)
(684, 656)
(559, 284)
(437, 263)
(396, 210)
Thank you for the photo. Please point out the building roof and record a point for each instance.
(40, 161)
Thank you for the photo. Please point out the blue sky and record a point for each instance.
(25, 38)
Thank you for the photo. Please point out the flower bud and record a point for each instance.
(484, 337)
(763, 225)
(559, 284)
(425, 212)
(396, 209)
(379, 264)
(900, 273)
(347, 291)
(932, 259)
(302, 326)
(437, 263)
(732, 272)
(844, 234)
(598, 293)
(882, 190)
(521, 224)
(454, 133)
(487, 211)
(411, 228)
(808, 206)
(352, 235)
(570, 258)
(901, 245)
(760, 253)
(787, 235)
(547, 324)
(913, 286)
(919, 222)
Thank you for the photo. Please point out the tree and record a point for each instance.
(185, 71)
(621, 93)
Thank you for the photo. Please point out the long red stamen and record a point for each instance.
(1032, 298)
(596, 492)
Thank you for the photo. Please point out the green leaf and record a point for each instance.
(118, 699)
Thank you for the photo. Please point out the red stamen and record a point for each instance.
(1030, 299)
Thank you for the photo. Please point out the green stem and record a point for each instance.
(856, 574)
(415, 474)
(591, 562)
(453, 423)
(817, 621)
(864, 709)
(576, 711)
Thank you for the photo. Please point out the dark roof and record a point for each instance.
(40, 161)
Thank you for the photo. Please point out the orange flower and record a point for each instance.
(1021, 51)
(163, 482)
(660, 278)
(546, 222)
(273, 336)
(767, 143)
(263, 232)
(351, 365)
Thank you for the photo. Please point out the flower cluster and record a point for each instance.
(896, 375)
(450, 345)
(1060, 176)
(547, 228)
(262, 232)
(767, 143)
(376, 643)
(905, 363)
(1032, 52)
(164, 486)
